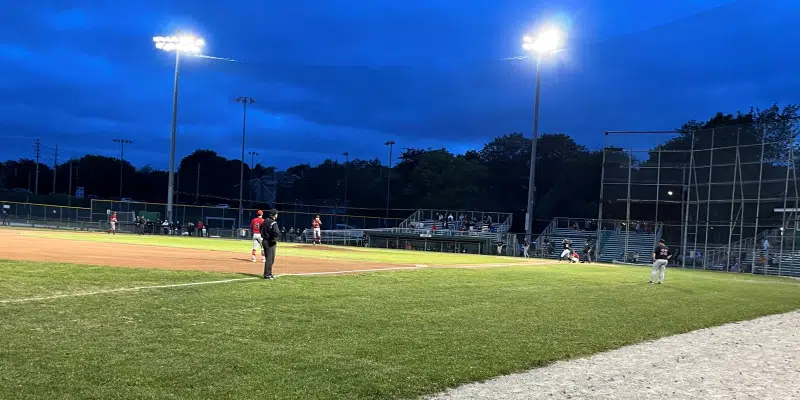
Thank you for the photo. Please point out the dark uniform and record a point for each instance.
(661, 256)
(271, 234)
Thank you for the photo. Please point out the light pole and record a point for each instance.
(389, 176)
(346, 164)
(544, 44)
(253, 155)
(122, 143)
(244, 100)
(178, 44)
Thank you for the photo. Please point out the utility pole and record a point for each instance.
(252, 166)
(389, 176)
(197, 186)
(69, 188)
(55, 167)
(245, 101)
(37, 149)
(122, 143)
(346, 165)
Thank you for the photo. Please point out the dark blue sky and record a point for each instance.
(338, 75)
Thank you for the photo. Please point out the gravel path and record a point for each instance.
(758, 359)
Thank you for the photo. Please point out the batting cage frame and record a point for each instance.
(723, 198)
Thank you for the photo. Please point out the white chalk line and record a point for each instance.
(130, 289)
(176, 285)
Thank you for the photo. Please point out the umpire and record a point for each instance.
(271, 234)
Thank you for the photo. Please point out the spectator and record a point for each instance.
(165, 225)
(5, 217)
(283, 234)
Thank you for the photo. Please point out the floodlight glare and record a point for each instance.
(547, 41)
(186, 44)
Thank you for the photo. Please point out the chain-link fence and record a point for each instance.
(717, 192)
(298, 217)
(43, 212)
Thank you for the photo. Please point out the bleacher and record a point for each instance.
(428, 221)
(614, 246)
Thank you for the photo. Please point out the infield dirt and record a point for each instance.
(16, 246)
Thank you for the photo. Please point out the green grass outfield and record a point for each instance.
(353, 253)
(381, 335)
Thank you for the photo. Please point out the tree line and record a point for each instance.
(493, 178)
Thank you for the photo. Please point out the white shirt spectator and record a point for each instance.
(450, 218)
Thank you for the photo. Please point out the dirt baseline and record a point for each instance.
(15, 246)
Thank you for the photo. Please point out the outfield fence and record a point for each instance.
(185, 213)
(44, 212)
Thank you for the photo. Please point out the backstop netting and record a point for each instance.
(723, 199)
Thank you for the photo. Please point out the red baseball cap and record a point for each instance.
(259, 212)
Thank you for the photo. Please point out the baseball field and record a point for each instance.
(88, 315)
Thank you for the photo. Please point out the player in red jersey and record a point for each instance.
(113, 223)
(316, 226)
(258, 241)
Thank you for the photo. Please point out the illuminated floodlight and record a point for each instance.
(547, 41)
(186, 44)
(670, 193)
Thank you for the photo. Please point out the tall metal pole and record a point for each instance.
(244, 100)
(658, 185)
(731, 222)
(758, 202)
(389, 176)
(346, 165)
(534, 138)
(253, 155)
(171, 184)
(69, 188)
(197, 186)
(688, 202)
(38, 150)
(122, 143)
(55, 167)
(683, 200)
(796, 197)
(628, 205)
(789, 166)
(708, 198)
(600, 207)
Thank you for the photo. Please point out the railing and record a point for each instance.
(443, 232)
(416, 216)
(546, 232)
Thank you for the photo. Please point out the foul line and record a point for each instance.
(130, 289)
(175, 285)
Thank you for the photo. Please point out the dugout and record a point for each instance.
(430, 242)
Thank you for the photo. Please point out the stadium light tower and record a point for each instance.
(179, 44)
(245, 101)
(545, 43)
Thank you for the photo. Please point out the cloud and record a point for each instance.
(335, 76)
